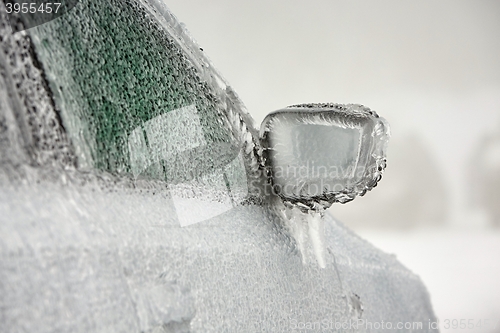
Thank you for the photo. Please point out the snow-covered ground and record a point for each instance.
(460, 267)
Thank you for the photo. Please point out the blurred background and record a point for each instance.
(432, 69)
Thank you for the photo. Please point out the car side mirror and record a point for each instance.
(318, 154)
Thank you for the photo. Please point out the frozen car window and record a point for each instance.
(134, 103)
(124, 86)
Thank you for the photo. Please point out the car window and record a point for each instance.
(135, 103)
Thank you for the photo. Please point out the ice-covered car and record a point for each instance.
(138, 196)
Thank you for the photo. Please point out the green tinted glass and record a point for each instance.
(130, 98)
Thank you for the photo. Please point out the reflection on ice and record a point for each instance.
(163, 137)
(211, 194)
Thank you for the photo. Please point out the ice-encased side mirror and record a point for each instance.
(318, 154)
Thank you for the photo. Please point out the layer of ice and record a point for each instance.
(318, 154)
(91, 215)
(134, 98)
(324, 153)
(82, 259)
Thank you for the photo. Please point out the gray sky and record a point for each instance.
(429, 67)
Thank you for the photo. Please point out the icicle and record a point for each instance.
(298, 229)
(306, 228)
(316, 226)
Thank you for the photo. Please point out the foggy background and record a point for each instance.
(432, 69)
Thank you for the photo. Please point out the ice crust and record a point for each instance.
(324, 153)
(83, 259)
(110, 223)
(318, 154)
(135, 98)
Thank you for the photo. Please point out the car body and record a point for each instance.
(131, 195)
